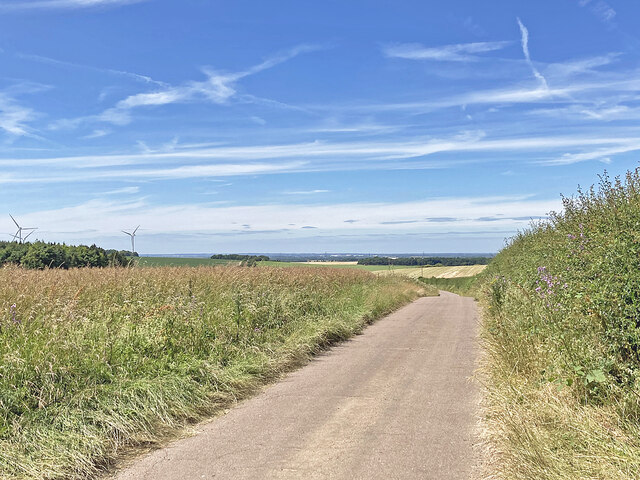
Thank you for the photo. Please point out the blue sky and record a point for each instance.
(302, 126)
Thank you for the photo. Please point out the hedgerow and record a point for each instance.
(562, 334)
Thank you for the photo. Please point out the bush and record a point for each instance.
(562, 312)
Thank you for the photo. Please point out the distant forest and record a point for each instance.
(430, 261)
(40, 255)
(243, 258)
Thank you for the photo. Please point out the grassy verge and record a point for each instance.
(466, 286)
(562, 339)
(96, 361)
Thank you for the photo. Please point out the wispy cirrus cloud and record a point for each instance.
(110, 71)
(217, 88)
(14, 117)
(173, 172)
(225, 161)
(97, 133)
(123, 190)
(26, 5)
(306, 192)
(603, 154)
(581, 66)
(462, 52)
(600, 9)
(525, 49)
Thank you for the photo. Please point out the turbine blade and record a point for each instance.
(125, 232)
(28, 235)
(14, 221)
(134, 232)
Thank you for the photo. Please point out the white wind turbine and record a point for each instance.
(18, 234)
(133, 239)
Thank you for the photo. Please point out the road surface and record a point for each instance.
(396, 402)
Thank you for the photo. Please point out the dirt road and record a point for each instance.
(393, 403)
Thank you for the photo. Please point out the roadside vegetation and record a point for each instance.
(562, 339)
(94, 362)
(465, 286)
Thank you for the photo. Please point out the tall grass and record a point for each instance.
(461, 285)
(96, 361)
(562, 340)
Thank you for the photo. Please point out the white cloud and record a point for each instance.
(98, 133)
(123, 190)
(223, 161)
(594, 91)
(306, 192)
(157, 173)
(217, 88)
(463, 52)
(110, 71)
(600, 9)
(459, 213)
(14, 117)
(601, 154)
(525, 49)
(61, 4)
(580, 66)
(591, 112)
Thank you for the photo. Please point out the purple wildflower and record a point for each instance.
(546, 283)
(14, 317)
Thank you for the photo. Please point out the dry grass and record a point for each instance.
(543, 432)
(435, 272)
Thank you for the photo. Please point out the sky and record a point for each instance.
(309, 126)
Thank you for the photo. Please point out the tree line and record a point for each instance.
(40, 255)
(428, 261)
(240, 257)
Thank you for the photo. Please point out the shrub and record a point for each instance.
(562, 312)
(40, 255)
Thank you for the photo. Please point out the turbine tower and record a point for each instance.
(133, 239)
(18, 234)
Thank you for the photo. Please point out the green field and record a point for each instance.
(181, 262)
(368, 268)
(407, 270)
(94, 362)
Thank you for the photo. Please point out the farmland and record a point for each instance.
(434, 272)
(96, 361)
(409, 271)
(181, 262)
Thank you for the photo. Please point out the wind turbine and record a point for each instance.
(133, 239)
(18, 234)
